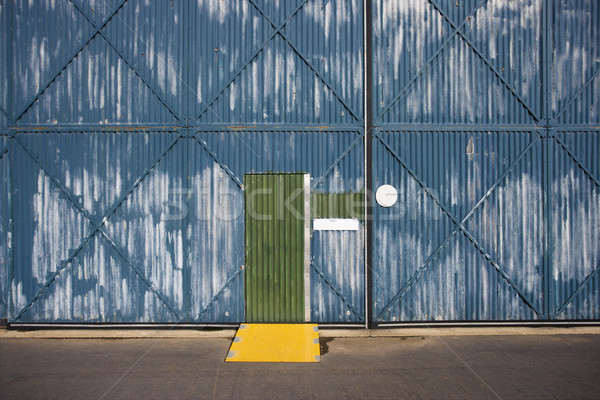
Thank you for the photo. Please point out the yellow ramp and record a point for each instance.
(276, 343)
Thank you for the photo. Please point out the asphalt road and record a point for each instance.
(477, 367)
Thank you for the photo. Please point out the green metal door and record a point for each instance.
(277, 254)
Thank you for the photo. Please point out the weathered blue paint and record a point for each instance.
(126, 128)
(483, 122)
(121, 140)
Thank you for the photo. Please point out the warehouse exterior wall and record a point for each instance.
(485, 120)
(127, 128)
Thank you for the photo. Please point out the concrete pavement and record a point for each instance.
(176, 333)
(483, 367)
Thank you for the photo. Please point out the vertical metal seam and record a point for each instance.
(367, 158)
(307, 247)
(546, 144)
(185, 112)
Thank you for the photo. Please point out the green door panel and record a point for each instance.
(275, 247)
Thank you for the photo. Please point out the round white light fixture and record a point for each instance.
(386, 196)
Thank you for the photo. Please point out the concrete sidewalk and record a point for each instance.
(327, 333)
(420, 367)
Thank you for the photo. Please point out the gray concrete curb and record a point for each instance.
(327, 333)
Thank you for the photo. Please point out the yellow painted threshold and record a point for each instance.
(275, 343)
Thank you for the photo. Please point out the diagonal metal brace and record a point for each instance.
(218, 294)
(428, 63)
(307, 62)
(487, 62)
(94, 230)
(576, 160)
(459, 226)
(124, 59)
(254, 55)
(138, 271)
(335, 290)
(336, 162)
(578, 93)
(225, 168)
(572, 297)
(64, 65)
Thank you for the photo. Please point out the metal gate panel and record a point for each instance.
(450, 93)
(98, 285)
(574, 170)
(576, 50)
(490, 33)
(5, 239)
(144, 230)
(276, 81)
(154, 51)
(434, 68)
(64, 213)
(291, 92)
(50, 227)
(36, 58)
(219, 54)
(334, 161)
(213, 204)
(458, 100)
(450, 226)
(334, 29)
(88, 94)
(575, 218)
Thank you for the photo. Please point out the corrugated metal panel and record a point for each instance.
(469, 82)
(337, 205)
(45, 35)
(219, 53)
(494, 64)
(575, 216)
(64, 204)
(97, 87)
(337, 276)
(255, 75)
(290, 92)
(425, 268)
(334, 154)
(156, 52)
(215, 239)
(334, 161)
(274, 237)
(5, 235)
(576, 55)
(488, 72)
(329, 34)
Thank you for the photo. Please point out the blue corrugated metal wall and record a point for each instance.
(127, 127)
(485, 121)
